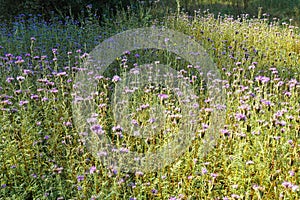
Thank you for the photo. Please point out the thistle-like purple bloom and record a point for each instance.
(154, 191)
(80, 178)
(204, 171)
(21, 103)
(240, 117)
(117, 128)
(225, 132)
(116, 78)
(9, 79)
(292, 173)
(139, 173)
(92, 169)
(97, 129)
(214, 175)
(127, 52)
(262, 79)
(287, 184)
(68, 124)
(34, 97)
(163, 96)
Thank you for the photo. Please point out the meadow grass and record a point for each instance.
(43, 156)
(284, 10)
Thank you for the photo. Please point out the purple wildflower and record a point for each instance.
(251, 67)
(204, 170)
(286, 93)
(68, 124)
(262, 79)
(19, 61)
(115, 171)
(21, 103)
(117, 128)
(116, 78)
(163, 96)
(292, 173)
(266, 102)
(152, 120)
(54, 90)
(287, 184)
(225, 132)
(45, 99)
(80, 178)
(134, 122)
(92, 169)
(34, 97)
(9, 79)
(240, 117)
(214, 175)
(144, 106)
(62, 74)
(97, 129)
(124, 150)
(154, 191)
(127, 52)
(205, 126)
(27, 71)
(139, 173)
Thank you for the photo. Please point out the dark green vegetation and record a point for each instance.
(277, 8)
(43, 156)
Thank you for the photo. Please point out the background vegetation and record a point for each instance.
(276, 8)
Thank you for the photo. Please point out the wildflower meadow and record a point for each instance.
(47, 152)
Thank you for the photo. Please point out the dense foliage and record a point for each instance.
(10, 8)
(62, 8)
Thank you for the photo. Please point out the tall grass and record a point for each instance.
(42, 155)
(284, 10)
